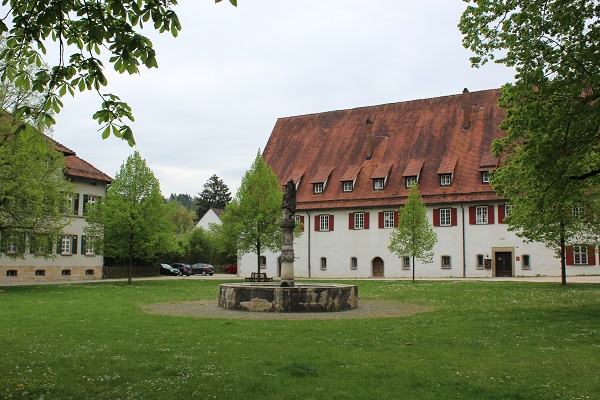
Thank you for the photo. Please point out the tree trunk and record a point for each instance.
(413, 267)
(563, 261)
(258, 257)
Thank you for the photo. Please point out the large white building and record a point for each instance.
(353, 169)
(74, 258)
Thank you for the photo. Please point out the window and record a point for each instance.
(87, 246)
(347, 186)
(445, 217)
(73, 203)
(485, 177)
(324, 223)
(359, 220)
(299, 220)
(445, 179)
(411, 181)
(323, 263)
(89, 272)
(481, 215)
(11, 272)
(526, 263)
(406, 263)
(388, 219)
(263, 262)
(577, 212)
(508, 208)
(66, 272)
(318, 188)
(88, 201)
(479, 261)
(354, 263)
(65, 244)
(11, 248)
(40, 272)
(378, 184)
(446, 262)
(580, 255)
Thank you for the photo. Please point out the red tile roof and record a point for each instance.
(429, 133)
(76, 167)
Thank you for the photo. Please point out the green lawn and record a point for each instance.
(483, 340)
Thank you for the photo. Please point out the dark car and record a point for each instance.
(185, 269)
(202, 268)
(231, 269)
(166, 269)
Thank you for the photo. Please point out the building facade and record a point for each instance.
(74, 258)
(353, 168)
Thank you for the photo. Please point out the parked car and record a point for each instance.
(166, 269)
(202, 268)
(231, 269)
(185, 269)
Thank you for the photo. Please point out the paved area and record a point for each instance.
(557, 279)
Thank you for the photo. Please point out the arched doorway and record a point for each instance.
(377, 267)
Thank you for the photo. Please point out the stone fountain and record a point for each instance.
(287, 295)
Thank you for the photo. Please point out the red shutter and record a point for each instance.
(396, 217)
(317, 223)
(490, 215)
(380, 219)
(350, 220)
(591, 256)
(472, 218)
(454, 216)
(330, 222)
(302, 223)
(436, 217)
(366, 220)
(569, 257)
(501, 213)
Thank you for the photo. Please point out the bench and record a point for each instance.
(258, 277)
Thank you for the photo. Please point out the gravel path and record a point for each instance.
(210, 309)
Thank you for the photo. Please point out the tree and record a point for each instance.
(33, 191)
(414, 237)
(183, 199)
(215, 194)
(83, 29)
(131, 223)
(253, 217)
(181, 218)
(552, 157)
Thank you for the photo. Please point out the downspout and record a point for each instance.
(307, 213)
(464, 250)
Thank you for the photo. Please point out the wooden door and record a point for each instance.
(504, 264)
(377, 267)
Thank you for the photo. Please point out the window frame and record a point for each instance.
(389, 223)
(324, 223)
(448, 264)
(445, 216)
(485, 177)
(353, 263)
(480, 261)
(359, 220)
(411, 181)
(580, 255)
(318, 188)
(378, 184)
(481, 215)
(347, 186)
(40, 272)
(445, 179)
(526, 262)
(323, 263)
(406, 263)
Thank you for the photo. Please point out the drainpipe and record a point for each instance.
(464, 250)
(309, 230)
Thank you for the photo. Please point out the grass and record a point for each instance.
(484, 340)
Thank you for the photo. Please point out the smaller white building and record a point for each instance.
(212, 216)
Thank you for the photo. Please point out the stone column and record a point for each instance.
(288, 224)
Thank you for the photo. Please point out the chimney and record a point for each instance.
(466, 106)
(369, 138)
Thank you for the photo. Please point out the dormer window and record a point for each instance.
(318, 188)
(378, 184)
(445, 179)
(485, 177)
(347, 186)
(320, 180)
(411, 181)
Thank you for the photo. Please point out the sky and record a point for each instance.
(222, 83)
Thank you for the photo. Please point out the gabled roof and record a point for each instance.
(429, 129)
(413, 168)
(76, 167)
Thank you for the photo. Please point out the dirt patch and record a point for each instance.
(210, 309)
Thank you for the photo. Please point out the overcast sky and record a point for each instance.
(223, 82)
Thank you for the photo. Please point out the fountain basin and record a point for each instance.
(302, 297)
